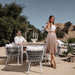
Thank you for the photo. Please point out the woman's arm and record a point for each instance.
(56, 36)
(46, 28)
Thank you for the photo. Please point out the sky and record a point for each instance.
(38, 11)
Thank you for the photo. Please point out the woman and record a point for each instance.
(51, 39)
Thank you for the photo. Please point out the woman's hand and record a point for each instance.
(56, 41)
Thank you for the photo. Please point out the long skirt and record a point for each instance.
(51, 43)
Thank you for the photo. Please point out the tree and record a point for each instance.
(67, 26)
(13, 10)
(59, 33)
(10, 22)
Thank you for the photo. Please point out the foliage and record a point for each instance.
(59, 33)
(67, 26)
(71, 40)
(64, 41)
(70, 48)
(65, 53)
(11, 21)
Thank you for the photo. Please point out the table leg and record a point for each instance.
(18, 56)
(22, 55)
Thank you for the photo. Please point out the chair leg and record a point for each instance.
(29, 66)
(46, 58)
(18, 59)
(49, 59)
(41, 66)
(7, 61)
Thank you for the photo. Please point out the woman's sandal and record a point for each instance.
(51, 65)
(54, 66)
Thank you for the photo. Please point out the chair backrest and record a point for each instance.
(35, 55)
(12, 50)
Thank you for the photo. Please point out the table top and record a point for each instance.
(32, 44)
(28, 44)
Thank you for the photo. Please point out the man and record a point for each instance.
(19, 40)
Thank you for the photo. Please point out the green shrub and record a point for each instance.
(71, 40)
(70, 48)
(59, 33)
(64, 54)
(64, 41)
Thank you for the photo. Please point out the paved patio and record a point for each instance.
(63, 67)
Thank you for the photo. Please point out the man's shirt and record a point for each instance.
(19, 39)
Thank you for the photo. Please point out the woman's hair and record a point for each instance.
(49, 22)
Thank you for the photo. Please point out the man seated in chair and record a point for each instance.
(20, 40)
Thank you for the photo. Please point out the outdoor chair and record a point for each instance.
(34, 55)
(12, 51)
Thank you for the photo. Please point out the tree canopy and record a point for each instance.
(11, 21)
